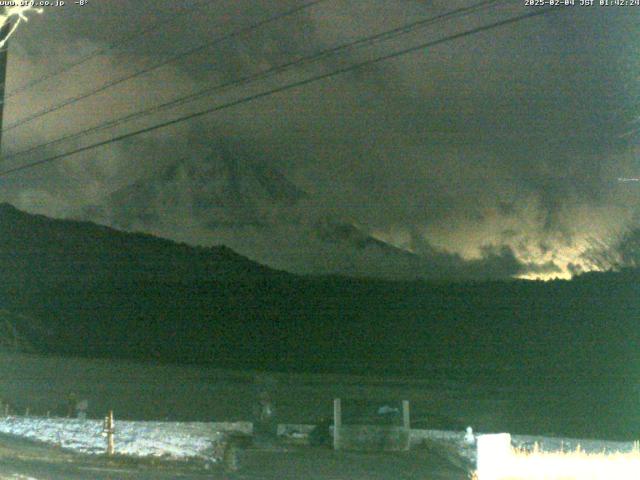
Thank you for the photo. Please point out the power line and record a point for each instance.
(101, 51)
(158, 65)
(383, 36)
(283, 88)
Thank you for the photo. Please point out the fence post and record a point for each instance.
(109, 430)
(406, 416)
(337, 423)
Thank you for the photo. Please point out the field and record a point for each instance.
(570, 405)
(151, 392)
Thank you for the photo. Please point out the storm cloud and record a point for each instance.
(490, 156)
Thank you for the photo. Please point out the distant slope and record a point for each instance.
(16, 329)
(221, 191)
(240, 199)
(227, 198)
(35, 248)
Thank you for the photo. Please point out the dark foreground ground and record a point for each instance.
(575, 404)
(565, 405)
(25, 460)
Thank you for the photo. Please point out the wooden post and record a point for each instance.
(230, 454)
(337, 423)
(406, 418)
(109, 430)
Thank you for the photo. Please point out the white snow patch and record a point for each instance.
(140, 439)
(526, 442)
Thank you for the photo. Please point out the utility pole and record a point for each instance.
(4, 53)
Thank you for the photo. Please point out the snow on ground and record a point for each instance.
(140, 439)
(550, 444)
(199, 439)
(17, 476)
(525, 442)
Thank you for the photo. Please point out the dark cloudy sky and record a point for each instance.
(509, 141)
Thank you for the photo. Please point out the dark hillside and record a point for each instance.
(106, 293)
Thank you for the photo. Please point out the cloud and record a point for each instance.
(495, 153)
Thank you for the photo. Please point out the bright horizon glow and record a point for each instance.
(564, 257)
